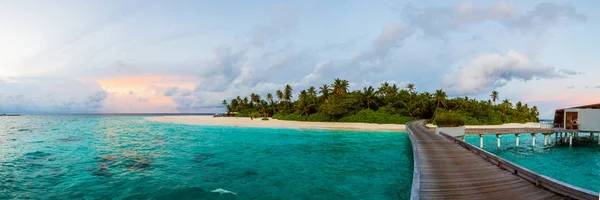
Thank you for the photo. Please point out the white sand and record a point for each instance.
(257, 122)
(246, 122)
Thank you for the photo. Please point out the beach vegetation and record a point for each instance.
(386, 103)
(320, 117)
(449, 119)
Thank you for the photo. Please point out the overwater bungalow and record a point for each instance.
(582, 118)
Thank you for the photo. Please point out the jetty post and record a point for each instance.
(481, 141)
(517, 139)
(570, 139)
(498, 139)
(545, 140)
(533, 139)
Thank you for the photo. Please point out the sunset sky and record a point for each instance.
(123, 56)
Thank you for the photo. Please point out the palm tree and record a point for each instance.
(229, 109)
(224, 102)
(369, 96)
(287, 93)
(312, 92)
(383, 88)
(246, 102)
(494, 96)
(263, 108)
(340, 87)
(505, 106)
(507, 103)
(235, 106)
(535, 113)
(279, 95)
(519, 106)
(440, 99)
(304, 106)
(411, 88)
(255, 98)
(324, 90)
(303, 95)
(394, 89)
(270, 98)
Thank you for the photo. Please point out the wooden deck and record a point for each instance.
(476, 131)
(444, 169)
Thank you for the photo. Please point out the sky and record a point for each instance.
(127, 56)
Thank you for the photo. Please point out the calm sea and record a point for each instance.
(578, 165)
(128, 157)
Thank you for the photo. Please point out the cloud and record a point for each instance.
(345, 45)
(283, 18)
(320, 73)
(571, 87)
(368, 64)
(438, 21)
(391, 37)
(490, 71)
(50, 94)
(170, 91)
(221, 70)
(545, 15)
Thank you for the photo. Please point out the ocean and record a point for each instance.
(129, 157)
(578, 165)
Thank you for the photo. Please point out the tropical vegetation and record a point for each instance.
(386, 103)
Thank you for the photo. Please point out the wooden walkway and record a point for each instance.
(444, 169)
(476, 131)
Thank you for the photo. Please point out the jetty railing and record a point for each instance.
(539, 180)
(416, 182)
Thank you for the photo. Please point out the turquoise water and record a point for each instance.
(578, 165)
(128, 157)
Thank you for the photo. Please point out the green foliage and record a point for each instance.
(278, 116)
(341, 105)
(379, 117)
(254, 114)
(295, 117)
(246, 112)
(265, 119)
(449, 119)
(394, 104)
(318, 117)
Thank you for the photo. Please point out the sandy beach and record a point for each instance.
(274, 123)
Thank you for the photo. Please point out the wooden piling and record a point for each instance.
(498, 138)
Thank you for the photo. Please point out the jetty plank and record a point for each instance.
(447, 170)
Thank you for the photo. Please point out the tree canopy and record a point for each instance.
(386, 103)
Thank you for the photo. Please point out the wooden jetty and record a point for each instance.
(560, 135)
(446, 167)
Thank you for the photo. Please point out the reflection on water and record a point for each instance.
(104, 157)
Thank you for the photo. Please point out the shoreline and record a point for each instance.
(275, 123)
